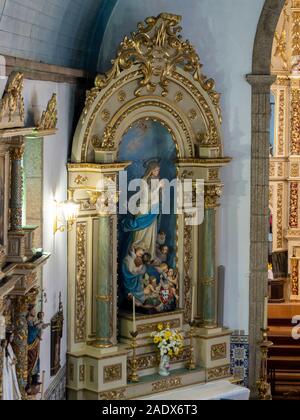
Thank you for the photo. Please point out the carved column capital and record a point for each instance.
(212, 194)
(17, 152)
(261, 83)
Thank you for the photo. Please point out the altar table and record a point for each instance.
(213, 391)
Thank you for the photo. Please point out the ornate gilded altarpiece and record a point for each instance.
(155, 81)
(285, 144)
(19, 264)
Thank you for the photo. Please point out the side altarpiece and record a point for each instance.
(20, 261)
(154, 104)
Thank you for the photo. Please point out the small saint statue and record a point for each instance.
(36, 326)
(11, 390)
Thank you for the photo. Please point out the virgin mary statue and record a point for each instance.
(11, 391)
(142, 229)
(144, 226)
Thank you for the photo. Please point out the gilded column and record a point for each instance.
(20, 341)
(207, 277)
(104, 298)
(293, 222)
(16, 203)
(21, 336)
(295, 276)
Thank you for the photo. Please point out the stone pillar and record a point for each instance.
(104, 298)
(207, 277)
(16, 204)
(261, 115)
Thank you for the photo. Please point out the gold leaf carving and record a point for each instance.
(281, 47)
(149, 328)
(81, 279)
(112, 373)
(295, 122)
(295, 170)
(118, 394)
(178, 97)
(280, 216)
(166, 384)
(271, 195)
(295, 276)
(158, 49)
(281, 122)
(187, 272)
(219, 373)
(280, 170)
(296, 33)
(294, 205)
(12, 100)
(48, 120)
(80, 180)
(122, 96)
(105, 115)
(151, 360)
(192, 115)
(218, 351)
(212, 195)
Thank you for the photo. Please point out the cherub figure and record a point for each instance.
(152, 289)
(162, 254)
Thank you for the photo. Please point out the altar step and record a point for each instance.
(287, 386)
(155, 384)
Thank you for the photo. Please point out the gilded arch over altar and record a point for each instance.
(156, 77)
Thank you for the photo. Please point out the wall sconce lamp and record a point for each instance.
(70, 211)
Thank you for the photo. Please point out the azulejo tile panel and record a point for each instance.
(239, 351)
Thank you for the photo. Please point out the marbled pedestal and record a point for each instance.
(104, 297)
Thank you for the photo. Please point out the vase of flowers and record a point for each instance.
(169, 343)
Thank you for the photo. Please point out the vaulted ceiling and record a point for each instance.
(61, 32)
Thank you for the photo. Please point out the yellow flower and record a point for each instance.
(160, 327)
(168, 335)
(170, 353)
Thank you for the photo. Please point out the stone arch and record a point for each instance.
(261, 81)
(156, 75)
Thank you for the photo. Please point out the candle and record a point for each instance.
(266, 313)
(134, 315)
(193, 304)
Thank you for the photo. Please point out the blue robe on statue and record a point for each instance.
(132, 282)
(33, 351)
